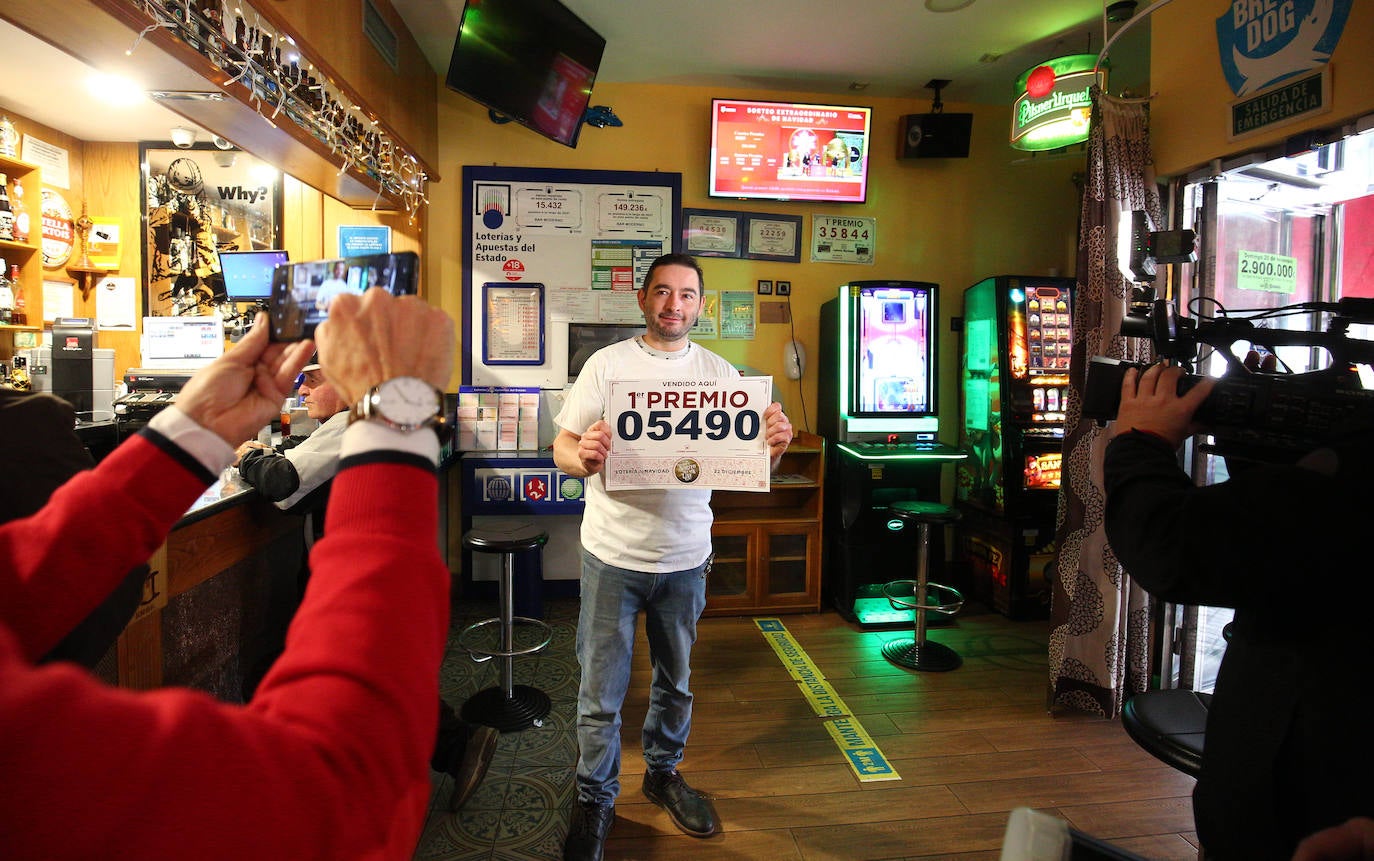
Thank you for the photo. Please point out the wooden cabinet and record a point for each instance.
(28, 255)
(768, 546)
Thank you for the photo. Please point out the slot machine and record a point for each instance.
(1014, 374)
(879, 411)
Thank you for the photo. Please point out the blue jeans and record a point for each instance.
(612, 599)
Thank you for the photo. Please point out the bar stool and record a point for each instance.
(508, 707)
(919, 653)
(1171, 725)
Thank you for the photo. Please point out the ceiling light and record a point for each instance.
(186, 96)
(114, 90)
(947, 5)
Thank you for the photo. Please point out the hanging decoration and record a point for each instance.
(1054, 106)
(282, 83)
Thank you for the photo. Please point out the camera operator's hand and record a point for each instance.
(1150, 403)
(1255, 365)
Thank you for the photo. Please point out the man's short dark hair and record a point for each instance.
(674, 260)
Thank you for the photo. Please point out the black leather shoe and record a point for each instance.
(591, 822)
(691, 811)
(474, 764)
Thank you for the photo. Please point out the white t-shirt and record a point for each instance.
(642, 530)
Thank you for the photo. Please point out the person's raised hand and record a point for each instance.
(238, 393)
(1352, 840)
(593, 447)
(1150, 402)
(778, 431)
(375, 337)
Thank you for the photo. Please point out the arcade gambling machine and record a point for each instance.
(1017, 335)
(878, 409)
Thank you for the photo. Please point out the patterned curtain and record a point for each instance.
(1099, 642)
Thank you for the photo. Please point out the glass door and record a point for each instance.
(1272, 233)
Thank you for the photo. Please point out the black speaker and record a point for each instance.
(934, 135)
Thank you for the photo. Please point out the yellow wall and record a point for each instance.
(951, 221)
(1190, 110)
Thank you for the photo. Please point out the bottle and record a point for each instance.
(6, 299)
(19, 377)
(6, 211)
(21, 214)
(9, 138)
(20, 315)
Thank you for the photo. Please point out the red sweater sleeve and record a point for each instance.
(329, 760)
(58, 564)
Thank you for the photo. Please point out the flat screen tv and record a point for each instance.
(248, 274)
(789, 151)
(532, 61)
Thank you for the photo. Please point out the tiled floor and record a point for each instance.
(521, 809)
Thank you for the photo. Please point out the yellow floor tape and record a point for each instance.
(854, 742)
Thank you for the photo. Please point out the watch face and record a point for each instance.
(407, 401)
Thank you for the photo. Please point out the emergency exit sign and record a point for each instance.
(1295, 99)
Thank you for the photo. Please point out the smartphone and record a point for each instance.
(301, 292)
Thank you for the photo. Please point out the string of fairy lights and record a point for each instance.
(281, 82)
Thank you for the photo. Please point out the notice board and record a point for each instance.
(584, 238)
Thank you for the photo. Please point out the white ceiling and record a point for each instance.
(49, 86)
(817, 46)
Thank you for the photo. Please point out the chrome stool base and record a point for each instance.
(526, 707)
(930, 655)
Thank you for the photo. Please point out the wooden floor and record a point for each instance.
(970, 746)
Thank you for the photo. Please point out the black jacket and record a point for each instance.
(1289, 747)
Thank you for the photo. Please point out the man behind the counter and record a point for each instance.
(303, 466)
(643, 551)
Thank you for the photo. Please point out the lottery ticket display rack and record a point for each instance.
(768, 546)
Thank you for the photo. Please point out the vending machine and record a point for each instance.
(1017, 337)
(878, 408)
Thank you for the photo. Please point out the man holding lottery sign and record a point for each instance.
(643, 550)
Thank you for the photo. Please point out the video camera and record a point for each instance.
(1267, 417)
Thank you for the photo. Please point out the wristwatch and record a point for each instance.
(403, 403)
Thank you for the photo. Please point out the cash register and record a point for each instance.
(149, 392)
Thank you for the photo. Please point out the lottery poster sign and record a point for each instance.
(688, 433)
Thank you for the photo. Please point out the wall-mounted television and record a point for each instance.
(789, 151)
(248, 274)
(532, 61)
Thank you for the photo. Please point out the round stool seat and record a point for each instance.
(500, 539)
(920, 511)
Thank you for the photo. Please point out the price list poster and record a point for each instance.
(583, 238)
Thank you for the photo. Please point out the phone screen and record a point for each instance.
(302, 292)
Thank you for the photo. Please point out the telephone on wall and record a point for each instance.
(793, 360)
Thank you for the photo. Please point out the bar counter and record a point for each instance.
(220, 595)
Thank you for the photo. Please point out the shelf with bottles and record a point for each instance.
(23, 264)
